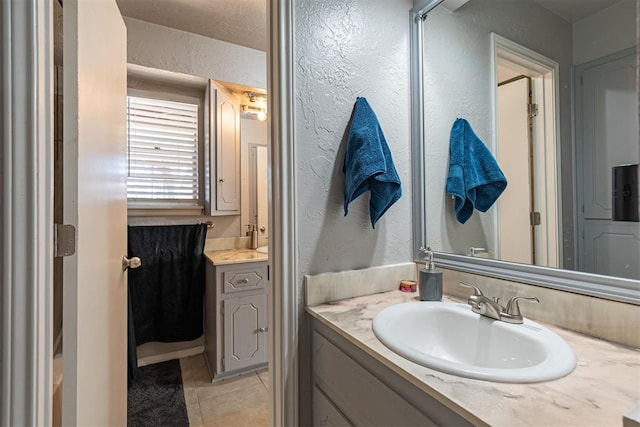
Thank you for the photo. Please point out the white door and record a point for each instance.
(95, 293)
(607, 136)
(513, 155)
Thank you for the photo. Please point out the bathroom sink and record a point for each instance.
(450, 338)
(263, 249)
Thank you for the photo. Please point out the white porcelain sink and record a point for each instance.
(263, 249)
(449, 337)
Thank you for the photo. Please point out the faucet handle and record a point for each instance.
(512, 311)
(476, 291)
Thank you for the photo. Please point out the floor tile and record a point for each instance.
(247, 402)
(264, 377)
(195, 418)
(248, 417)
(234, 402)
(230, 385)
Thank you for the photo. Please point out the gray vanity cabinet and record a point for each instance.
(236, 318)
(349, 387)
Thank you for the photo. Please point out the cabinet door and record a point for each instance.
(325, 413)
(225, 180)
(245, 324)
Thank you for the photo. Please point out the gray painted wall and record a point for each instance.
(591, 41)
(457, 84)
(164, 48)
(346, 49)
(169, 49)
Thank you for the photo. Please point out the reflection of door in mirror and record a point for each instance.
(527, 212)
(254, 142)
(258, 190)
(514, 154)
(606, 119)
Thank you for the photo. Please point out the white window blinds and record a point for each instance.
(162, 151)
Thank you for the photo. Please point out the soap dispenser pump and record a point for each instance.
(429, 279)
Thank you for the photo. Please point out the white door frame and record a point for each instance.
(285, 310)
(544, 73)
(26, 242)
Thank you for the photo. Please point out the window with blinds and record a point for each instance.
(162, 151)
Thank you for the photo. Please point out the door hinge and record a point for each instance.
(534, 218)
(532, 110)
(64, 240)
(222, 363)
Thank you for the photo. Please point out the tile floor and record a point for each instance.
(234, 402)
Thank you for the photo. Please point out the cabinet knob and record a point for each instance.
(221, 180)
(262, 330)
(245, 280)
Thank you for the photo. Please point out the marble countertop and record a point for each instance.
(604, 386)
(235, 256)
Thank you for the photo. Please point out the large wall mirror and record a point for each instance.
(550, 88)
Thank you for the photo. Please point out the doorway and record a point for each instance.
(525, 92)
(606, 120)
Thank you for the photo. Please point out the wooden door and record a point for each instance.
(95, 294)
(606, 136)
(514, 157)
(244, 334)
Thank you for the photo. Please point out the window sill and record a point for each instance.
(164, 210)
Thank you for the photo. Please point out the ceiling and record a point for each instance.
(575, 10)
(242, 22)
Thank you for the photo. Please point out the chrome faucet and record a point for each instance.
(493, 309)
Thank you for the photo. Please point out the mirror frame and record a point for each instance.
(608, 287)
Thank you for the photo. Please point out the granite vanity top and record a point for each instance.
(604, 386)
(235, 256)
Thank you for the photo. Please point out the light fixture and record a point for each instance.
(255, 112)
(255, 97)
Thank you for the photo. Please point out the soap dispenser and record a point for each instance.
(254, 235)
(429, 279)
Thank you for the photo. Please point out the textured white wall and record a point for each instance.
(591, 40)
(165, 48)
(346, 49)
(458, 84)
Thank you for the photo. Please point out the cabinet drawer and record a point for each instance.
(362, 397)
(244, 278)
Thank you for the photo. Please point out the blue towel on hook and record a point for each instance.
(368, 164)
(475, 179)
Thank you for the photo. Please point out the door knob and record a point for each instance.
(134, 262)
(262, 330)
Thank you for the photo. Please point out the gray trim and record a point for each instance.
(416, 17)
(613, 288)
(26, 267)
(285, 310)
(417, 133)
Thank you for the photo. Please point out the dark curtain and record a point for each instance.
(166, 291)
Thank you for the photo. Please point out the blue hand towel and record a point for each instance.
(368, 164)
(475, 179)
